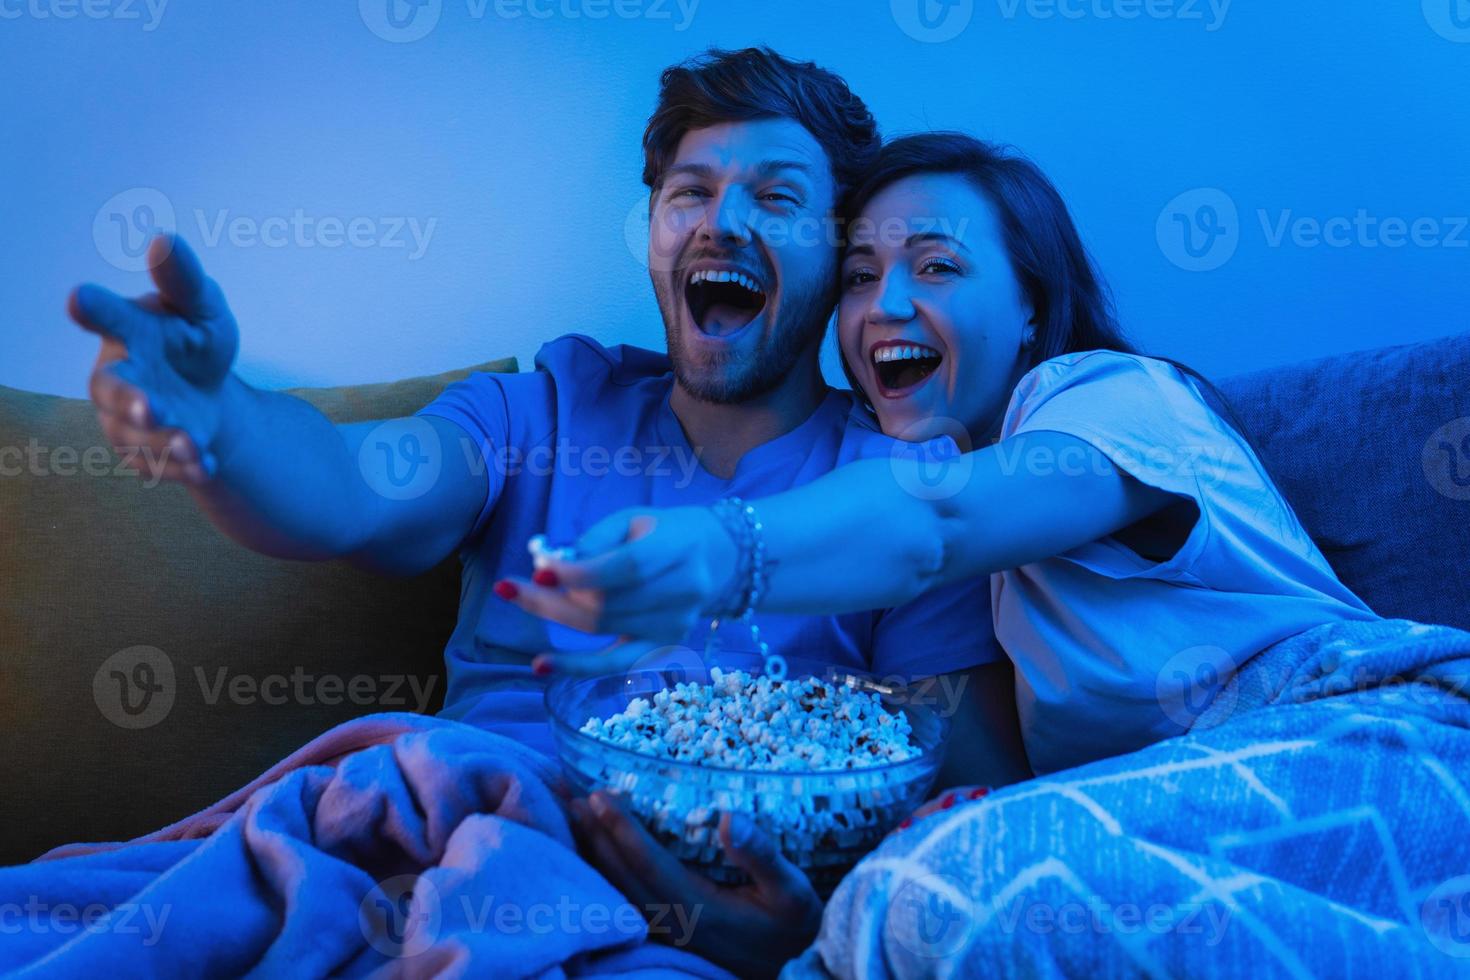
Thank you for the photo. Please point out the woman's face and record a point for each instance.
(932, 321)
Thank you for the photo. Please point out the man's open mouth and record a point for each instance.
(901, 366)
(723, 301)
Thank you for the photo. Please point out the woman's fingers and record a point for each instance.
(661, 874)
(616, 658)
(581, 610)
(602, 852)
(753, 851)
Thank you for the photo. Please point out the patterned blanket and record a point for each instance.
(1314, 822)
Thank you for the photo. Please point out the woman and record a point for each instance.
(1138, 552)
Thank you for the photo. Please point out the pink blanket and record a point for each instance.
(395, 844)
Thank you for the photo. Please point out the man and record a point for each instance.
(746, 156)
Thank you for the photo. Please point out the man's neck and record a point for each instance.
(722, 434)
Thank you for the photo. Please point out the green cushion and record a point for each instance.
(94, 562)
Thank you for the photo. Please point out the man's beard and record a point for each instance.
(733, 377)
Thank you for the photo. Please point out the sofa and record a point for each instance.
(260, 655)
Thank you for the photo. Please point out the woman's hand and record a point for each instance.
(750, 930)
(947, 800)
(646, 575)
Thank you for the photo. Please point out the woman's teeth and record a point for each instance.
(909, 353)
(902, 366)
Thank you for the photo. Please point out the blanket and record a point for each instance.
(396, 845)
(1315, 821)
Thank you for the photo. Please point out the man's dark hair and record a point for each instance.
(757, 83)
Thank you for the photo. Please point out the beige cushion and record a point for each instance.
(94, 562)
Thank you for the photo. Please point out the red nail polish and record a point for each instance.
(547, 578)
(906, 824)
(947, 802)
(541, 666)
(978, 792)
(506, 590)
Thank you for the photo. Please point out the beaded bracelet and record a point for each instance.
(744, 526)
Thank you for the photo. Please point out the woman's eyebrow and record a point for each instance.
(925, 237)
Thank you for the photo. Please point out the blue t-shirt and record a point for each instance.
(591, 432)
(1115, 650)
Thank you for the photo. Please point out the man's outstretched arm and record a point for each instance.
(268, 469)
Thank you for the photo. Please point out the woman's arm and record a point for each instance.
(873, 535)
(869, 535)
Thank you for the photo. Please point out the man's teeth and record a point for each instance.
(904, 353)
(739, 278)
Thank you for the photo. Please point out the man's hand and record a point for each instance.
(750, 930)
(160, 379)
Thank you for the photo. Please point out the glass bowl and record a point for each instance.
(824, 820)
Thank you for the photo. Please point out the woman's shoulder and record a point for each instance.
(1105, 375)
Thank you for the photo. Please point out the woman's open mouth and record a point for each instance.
(901, 366)
(723, 301)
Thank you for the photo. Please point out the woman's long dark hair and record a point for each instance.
(1073, 307)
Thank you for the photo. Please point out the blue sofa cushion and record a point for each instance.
(1373, 451)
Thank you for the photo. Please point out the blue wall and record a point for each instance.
(511, 142)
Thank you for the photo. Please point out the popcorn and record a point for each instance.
(738, 721)
(542, 554)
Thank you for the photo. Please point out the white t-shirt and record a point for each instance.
(1114, 650)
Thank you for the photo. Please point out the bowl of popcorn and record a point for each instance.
(824, 759)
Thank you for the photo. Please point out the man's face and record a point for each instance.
(741, 255)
